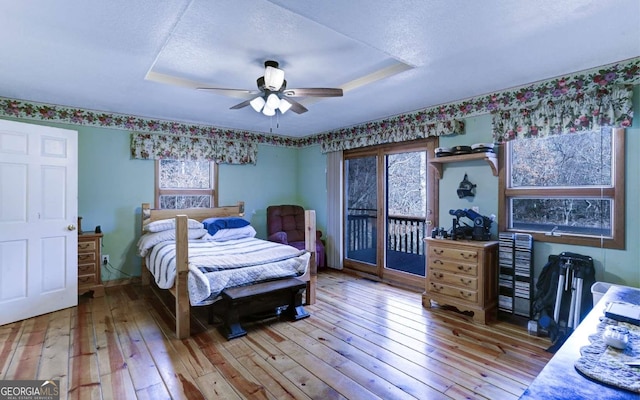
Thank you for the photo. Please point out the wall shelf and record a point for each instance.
(490, 158)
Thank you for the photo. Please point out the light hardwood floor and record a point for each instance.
(364, 340)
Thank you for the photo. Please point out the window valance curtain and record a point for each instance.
(565, 113)
(151, 146)
(391, 130)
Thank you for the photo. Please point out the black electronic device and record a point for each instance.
(481, 229)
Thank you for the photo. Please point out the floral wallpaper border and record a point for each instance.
(404, 125)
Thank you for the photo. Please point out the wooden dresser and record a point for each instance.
(463, 274)
(89, 264)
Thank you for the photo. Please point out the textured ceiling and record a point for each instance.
(145, 57)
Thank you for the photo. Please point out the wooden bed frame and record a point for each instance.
(179, 289)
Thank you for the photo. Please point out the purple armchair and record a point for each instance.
(285, 224)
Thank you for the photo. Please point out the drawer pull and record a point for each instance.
(438, 262)
(465, 294)
(438, 275)
(465, 282)
(460, 267)
(438, 251)
(466, 256)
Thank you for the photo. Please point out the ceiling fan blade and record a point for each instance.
(241, 105)
(313, 92)
(237, 93)
(297, 107)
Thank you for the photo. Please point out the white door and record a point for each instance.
(38, 217)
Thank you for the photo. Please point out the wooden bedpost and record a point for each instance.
(183, 309)
(145, 213)
(310, 246)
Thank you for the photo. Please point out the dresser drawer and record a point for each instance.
(86, 246)
(468, 295)
(458, 280)
(468, 255)
(452, 266)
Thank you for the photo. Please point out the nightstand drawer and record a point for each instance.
(459, 280)
(86, 269)
(86, 246)
(86, 280)
(454, 254)
(453, 266)
(468, 295)
(86, 257)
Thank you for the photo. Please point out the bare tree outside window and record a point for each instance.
(569, 185)
(407, 184)
(185, 184)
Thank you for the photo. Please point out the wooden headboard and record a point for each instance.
(151, 214)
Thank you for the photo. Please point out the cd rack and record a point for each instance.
(515, 274)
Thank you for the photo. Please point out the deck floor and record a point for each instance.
(396, 260)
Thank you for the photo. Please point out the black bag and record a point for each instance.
(544, 301)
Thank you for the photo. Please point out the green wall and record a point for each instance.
(112, 187)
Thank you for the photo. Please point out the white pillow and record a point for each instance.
(148, 240)
(234, 233)
(170, 223)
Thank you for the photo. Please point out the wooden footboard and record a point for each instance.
(179, 289)
(310, 246)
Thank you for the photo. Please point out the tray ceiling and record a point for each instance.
(146, 58)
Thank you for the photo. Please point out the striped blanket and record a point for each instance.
(214, 266)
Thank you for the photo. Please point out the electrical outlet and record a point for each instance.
(105, 259)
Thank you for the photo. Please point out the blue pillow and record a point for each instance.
(212, 225)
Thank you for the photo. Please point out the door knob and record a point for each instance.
(71, 227)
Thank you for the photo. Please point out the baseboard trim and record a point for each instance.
(135, 280)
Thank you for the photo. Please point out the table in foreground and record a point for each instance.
(560, 380)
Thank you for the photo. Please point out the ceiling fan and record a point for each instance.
(272, 94)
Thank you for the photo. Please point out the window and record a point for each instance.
(186, 184)
(565, 188)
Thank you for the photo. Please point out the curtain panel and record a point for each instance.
(334, 240)
(562, 113)
(148, 146)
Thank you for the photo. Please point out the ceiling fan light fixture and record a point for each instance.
(257, 103)
(268, 111)
(273, 78)
(273, 101)
(284, 106)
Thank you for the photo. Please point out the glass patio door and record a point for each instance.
(361, 219)
(406, 209)
(387, 211)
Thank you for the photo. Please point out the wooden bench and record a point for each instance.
(246, 300)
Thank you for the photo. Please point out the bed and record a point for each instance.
(189, 268)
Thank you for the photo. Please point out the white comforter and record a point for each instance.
(214, 266)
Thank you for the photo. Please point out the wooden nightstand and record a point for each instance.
(89, 264)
